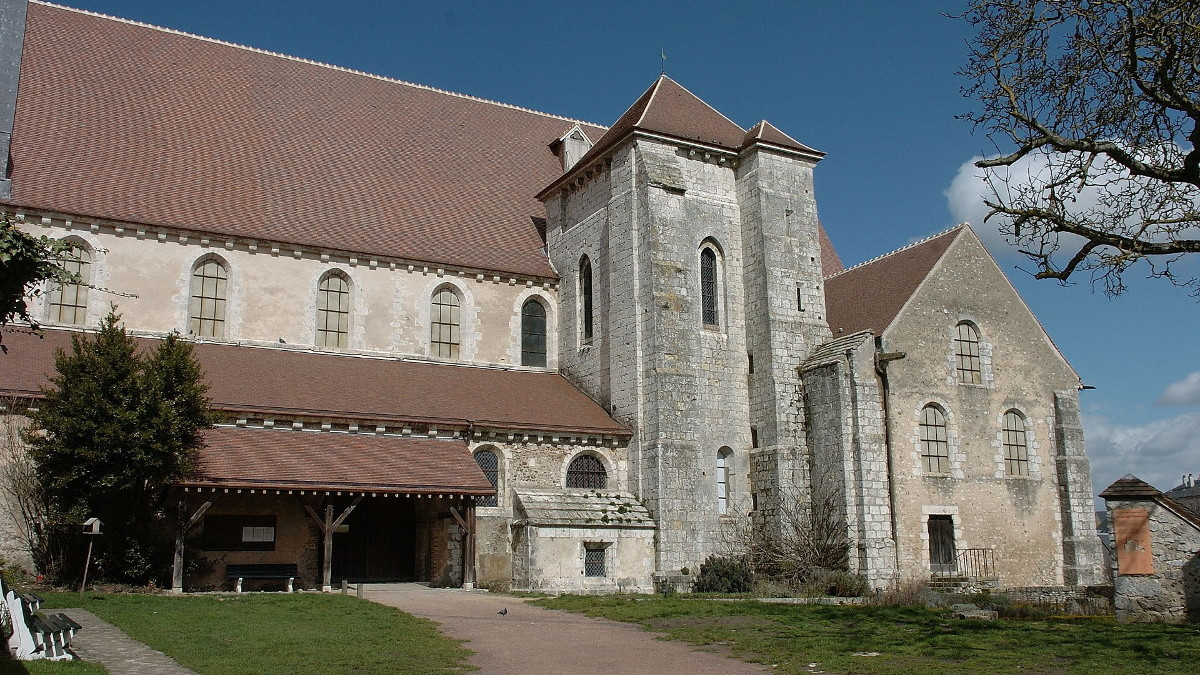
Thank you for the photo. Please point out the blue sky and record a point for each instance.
(873, 84)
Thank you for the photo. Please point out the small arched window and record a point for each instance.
(206, 311)
(709, 291)
(966, 353)
(935, 448)
(1016, 447)
(533, 334)
(490, 464)
(333, 310)
(444, 324)
(586, 471)
(68, 302)
(585, 298)
(723, 457)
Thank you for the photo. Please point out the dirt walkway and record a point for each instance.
(530, 640)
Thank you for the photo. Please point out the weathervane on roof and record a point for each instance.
(662, 54)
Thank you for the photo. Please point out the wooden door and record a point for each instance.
(941, 544)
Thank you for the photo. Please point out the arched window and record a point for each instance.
(586, 471)
(68, 302)
(533, 334)
(966, 353)
(585, 298)
(935, 449)
(709, 292)
(1016, 448)
(487, 461)
(206, 312)
(333, 310)
(444, 323)
(723, 456)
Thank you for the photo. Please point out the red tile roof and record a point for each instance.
(766, 132)
(285, 382)
(831, 262)
(870, 295)
(308, 460)
(137, 124)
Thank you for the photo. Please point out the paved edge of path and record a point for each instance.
(101, 642)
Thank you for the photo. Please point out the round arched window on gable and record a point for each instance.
(333, 310)
(966, 354)
(490, 465)
(935, 444)
(586, 471)
(206, 310)
(444, 322)
(1016, 445)
(533, 333)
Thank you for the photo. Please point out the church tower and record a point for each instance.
(691, 290)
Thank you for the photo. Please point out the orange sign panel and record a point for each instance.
(1132, 530)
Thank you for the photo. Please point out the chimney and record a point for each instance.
(12, 40)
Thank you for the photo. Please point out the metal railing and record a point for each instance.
(969, 563)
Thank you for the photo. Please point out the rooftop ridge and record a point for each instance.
(300, 59)
(706, 103)
(899, 250)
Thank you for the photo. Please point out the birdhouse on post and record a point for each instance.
(91, 526)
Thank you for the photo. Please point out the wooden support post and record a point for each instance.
(468, 544)
(182, 525)
(327, 526)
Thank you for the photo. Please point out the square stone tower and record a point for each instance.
(690, 258)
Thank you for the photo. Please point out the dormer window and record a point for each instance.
(571, 147)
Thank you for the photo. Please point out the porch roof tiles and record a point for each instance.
(272, 459)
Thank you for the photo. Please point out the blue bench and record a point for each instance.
(240, 572)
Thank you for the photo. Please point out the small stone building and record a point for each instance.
(1156, 569)
(461, 341)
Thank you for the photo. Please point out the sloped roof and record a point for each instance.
(834, 350)
(766, 132)
(1130, 486)
(308, 460)
(868, 297)
(831, 262)
(577, 508)
(288, 382)
(131, 123)
(668, 109)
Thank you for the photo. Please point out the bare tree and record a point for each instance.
(1101, 102)
(22, 500)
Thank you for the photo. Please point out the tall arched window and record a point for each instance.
(68, 302)
(490, 464)
(333, 310)
(966, 353)
(586, 471)
(723, 456)
(1016, 448)
(444, 323)
(935, 448)
(533, 334)
(585, 298)
(206, 312)
(709, 292)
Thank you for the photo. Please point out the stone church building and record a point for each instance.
(459, 341)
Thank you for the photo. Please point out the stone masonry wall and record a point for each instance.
(1172, 592)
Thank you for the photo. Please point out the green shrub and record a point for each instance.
(721, 574)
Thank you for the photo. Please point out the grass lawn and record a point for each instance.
(284, 634)
(901, 639)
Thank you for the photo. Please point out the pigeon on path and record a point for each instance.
(503, 612)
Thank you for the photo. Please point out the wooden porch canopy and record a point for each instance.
(273, 461)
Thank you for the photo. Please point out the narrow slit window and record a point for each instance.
(708, 287)
(585, 297)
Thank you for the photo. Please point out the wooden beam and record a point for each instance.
(182, 527)
(328, 525)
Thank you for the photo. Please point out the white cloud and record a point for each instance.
(1183, 392)
(1159, 452)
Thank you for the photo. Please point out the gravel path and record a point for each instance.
(101, 642)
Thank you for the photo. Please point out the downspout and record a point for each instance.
(882, 359)
(856, 458)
